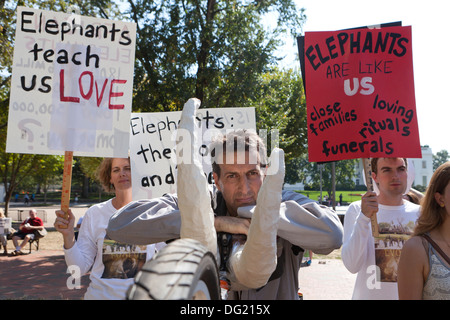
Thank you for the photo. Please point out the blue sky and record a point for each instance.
(431, 50)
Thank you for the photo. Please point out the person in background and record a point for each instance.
(413, 196)
(26, 232)
(3, 240)
(424, 268)
(78, 226)
(310, 255)
(361, 251)
(114, 265)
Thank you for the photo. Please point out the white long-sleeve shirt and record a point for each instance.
(113, 265)
(358, 249)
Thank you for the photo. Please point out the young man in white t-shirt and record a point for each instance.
(375, 259)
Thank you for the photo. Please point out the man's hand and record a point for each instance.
(369, 204)
(233, 225)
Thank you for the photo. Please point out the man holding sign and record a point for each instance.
(360, 94)
(375, 259)
(361, 104)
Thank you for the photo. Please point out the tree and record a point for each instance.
(14, 168)
(216, 50)
(440, 158)
(213, 50)
(47, 170)
(280, 104)
(89, 166)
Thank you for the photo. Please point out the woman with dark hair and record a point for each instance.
(424, 267)
(113, 264)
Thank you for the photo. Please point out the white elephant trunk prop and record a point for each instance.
(194, 200)
(252, 264)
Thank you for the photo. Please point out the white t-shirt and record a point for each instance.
(113, 264)
(373, 259)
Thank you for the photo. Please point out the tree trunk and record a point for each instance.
(203, 55)
(85, 193)
(8, 194)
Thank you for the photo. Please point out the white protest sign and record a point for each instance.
(71, 86)
(153, 145)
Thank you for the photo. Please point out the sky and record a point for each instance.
(431, 50)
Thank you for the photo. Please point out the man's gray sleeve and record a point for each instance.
(302, 222)
(309, 225)
(305, 223)
(146, 221)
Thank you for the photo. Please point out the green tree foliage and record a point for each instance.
(439, 158)
(49, 171)
(14, 168)
(280, 104)
(222, 52)
(213, 50)
(89, 166)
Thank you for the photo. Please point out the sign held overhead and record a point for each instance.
(71, 86)
(360, 94)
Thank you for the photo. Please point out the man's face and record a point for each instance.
(32, 214)
(239, 183)
(391, 176)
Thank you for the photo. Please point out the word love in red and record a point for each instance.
(86, 91)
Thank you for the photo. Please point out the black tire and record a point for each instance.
(183, 270)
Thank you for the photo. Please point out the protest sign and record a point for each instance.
(360, 94)
(153, 145)
(71, 86)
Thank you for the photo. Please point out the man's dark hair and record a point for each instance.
(374, 164)
(235, 141)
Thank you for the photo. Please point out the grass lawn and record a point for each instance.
(347, 196)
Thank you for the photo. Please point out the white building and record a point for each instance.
(423, 167)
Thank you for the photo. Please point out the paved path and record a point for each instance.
(39, 275)
(326, 279)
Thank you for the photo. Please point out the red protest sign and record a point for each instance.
(360, 94)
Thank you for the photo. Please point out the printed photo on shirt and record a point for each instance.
(122, 261)
(388, 246)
